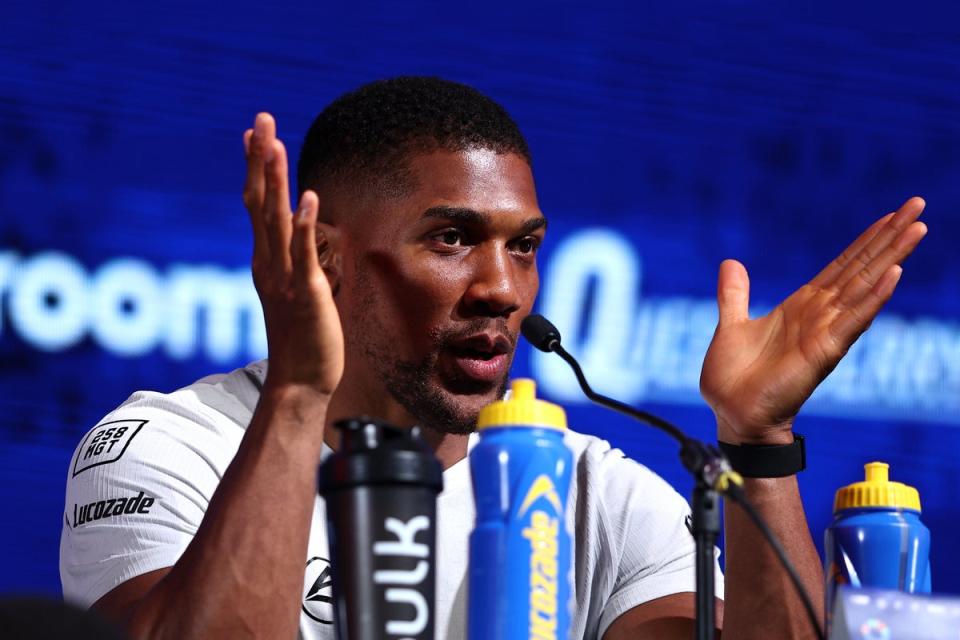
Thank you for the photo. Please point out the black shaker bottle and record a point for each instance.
(381, 490)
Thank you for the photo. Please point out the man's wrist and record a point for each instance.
(767, 460)
(781, 434)
(297, 406)
(294, 394)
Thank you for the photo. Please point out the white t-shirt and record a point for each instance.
(140, 482)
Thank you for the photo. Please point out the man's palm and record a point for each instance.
(758, 373)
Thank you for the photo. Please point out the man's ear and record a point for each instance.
(329, 252)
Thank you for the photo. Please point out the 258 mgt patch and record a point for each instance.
(105, 443)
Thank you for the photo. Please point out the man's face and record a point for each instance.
(436, 283)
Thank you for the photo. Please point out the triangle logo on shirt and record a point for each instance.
(318, 600)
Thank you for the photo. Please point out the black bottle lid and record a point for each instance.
(376, 453)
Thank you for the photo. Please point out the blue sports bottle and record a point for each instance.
(520, 548)
(876, 538)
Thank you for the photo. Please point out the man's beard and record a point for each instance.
(415, 387)
(409, 385)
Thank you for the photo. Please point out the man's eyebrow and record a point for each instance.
(533, 224)
(460, 214)
(472, 216)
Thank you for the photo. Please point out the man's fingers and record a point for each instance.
(829, 274)
(869, 275)
(303, 246)
(848, 326)
(258, 146)
(887, 236)
(733, 292)
(276, 207)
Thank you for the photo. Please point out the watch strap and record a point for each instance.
(767, 460)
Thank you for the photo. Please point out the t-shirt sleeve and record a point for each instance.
(137, 488)
(646, 526)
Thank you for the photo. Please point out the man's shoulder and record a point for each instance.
(147, 471)
(607, 479)
(594, 452)
(207, 414)
(585, 444)
(214, 398)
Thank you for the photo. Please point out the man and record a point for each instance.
(396, 289)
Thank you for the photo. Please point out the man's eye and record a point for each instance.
(527, 245)
(451, 237)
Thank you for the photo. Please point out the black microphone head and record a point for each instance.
(540, 332)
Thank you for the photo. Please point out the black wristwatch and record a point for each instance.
(767, 460)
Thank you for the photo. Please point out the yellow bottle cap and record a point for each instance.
(522, 409)
(877, 491)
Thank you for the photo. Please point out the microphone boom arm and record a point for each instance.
(713, 476)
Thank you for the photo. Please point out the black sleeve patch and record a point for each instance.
(105, 444)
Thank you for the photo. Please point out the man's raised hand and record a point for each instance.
(758, 373)
(304, 338)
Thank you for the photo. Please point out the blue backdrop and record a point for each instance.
(663, 143)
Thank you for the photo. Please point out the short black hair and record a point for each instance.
(363, 138)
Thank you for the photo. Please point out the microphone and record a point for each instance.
(540, 332)
(543, 335)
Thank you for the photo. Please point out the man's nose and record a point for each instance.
(493, 289)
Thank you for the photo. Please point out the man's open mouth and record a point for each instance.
(481, 357)
(477, 354)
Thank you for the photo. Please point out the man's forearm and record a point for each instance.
(760, 600)
(242, 575)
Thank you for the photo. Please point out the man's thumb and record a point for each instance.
(733, 292)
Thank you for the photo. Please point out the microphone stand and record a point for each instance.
(706, 528)
(705, 463)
